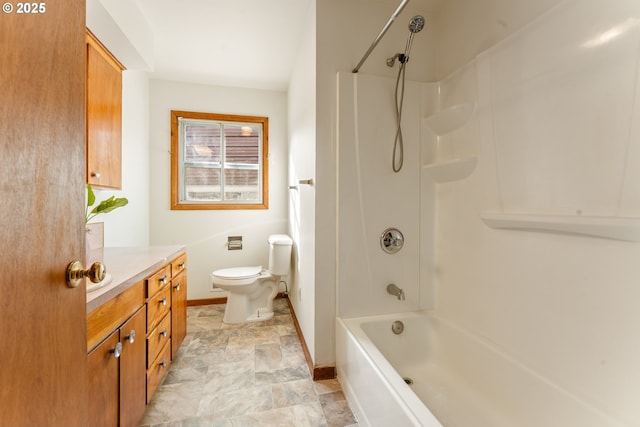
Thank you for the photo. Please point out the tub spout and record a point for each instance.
(395, 291)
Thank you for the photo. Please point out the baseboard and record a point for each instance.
(317, 373)
(219, 300)
(206, 301)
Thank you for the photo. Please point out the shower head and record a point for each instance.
(416, 24)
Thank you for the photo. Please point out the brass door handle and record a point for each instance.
(76, 272)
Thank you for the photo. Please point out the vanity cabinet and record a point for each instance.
(132, 370)
(178, 303)
(104, 116)
(131, 339)
(158, 328)
(117, 388)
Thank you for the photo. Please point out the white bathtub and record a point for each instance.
(458, 380)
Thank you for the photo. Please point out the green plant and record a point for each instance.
(103, 207)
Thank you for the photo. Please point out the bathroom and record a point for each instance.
(561, 303)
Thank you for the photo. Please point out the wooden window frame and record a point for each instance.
(176, 203)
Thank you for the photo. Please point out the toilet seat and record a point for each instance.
(236, 275)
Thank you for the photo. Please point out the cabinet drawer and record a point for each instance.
(158, 280)
(158, 370)
(178, 265)
(157, 339)
(106, 318)
(158, 307)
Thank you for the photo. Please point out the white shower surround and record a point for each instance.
(372, 198)
(564, 306)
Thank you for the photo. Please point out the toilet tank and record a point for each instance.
(280, 254)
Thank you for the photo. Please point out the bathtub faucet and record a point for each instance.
(396, 291)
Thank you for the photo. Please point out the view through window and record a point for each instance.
(218, 161)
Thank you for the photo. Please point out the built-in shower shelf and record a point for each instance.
(615, 228)
(450, 119)
(451, 170)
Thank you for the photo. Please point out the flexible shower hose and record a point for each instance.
(398, 145)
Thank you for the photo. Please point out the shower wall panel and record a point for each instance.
(372, 198)
(559, 122)
(563, 105)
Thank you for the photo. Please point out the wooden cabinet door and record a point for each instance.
(104, 117)
(178, 311)
(43, 378)
(133, 369)
(104, 382)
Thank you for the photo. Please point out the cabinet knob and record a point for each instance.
(163, 280)
(181, 265)
(163, 301)
(163, 363)
(76, 272)
(117, 350)
(95, 174)
(164, 333)
(177, 287)
(131, 337)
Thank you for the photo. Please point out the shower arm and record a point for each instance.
(381, 34)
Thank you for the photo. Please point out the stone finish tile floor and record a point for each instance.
(253, 374)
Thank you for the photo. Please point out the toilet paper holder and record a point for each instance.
(234, 243)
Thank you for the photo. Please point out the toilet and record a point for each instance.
(251, 290)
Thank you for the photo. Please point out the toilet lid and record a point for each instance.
(238, 272)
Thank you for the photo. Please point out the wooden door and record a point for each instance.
(133, 369)
(43, 377)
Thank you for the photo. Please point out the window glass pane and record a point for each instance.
(202, 143)
(202, 184)
(242, 143)
(241, 184)
(220, 161)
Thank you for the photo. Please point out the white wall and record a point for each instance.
(128, 226)
(205, 232)
(557, 106)
(131, 44)
(302, 166)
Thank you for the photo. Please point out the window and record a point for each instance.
(218, 161)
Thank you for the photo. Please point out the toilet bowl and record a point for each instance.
(251, 290)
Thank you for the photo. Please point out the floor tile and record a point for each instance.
(252, 374)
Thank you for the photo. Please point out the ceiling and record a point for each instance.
(242, 43)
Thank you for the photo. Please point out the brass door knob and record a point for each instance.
(76, 272)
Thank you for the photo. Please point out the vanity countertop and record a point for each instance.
(127, 266)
